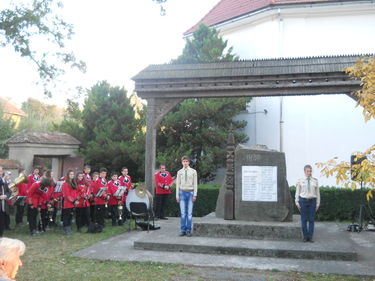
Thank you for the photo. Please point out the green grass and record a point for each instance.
(49, 257)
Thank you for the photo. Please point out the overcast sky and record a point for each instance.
(116, 38)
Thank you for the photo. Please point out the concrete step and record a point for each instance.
(242, 247)
(210, 226)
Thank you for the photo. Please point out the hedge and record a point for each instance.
(336, 203)
(205, 204)
(339, 204)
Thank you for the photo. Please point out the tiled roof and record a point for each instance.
(229, 9)
(43, 138)
(10, 164)
(10, 108)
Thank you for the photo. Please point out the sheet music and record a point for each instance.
(58, 187)
(120, 191)
(101, 192)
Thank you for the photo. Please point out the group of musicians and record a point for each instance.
(85, 195)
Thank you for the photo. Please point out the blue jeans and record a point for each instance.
(308, 207)
(186, 209)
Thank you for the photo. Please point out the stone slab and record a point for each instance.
(211, 226)
(241, 247)
(120, 248)
(281, 210)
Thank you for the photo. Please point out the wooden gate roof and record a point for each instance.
(263, 77)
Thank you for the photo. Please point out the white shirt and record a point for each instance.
(303, 190)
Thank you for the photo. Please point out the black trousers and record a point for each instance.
(32, 214)
(83, 217)
(67, 215)
(161, 201)
(2, 222)
(45, 218)
(20, 209)
(114, 213)
(54, 215)
(7, 221)
(92, 211)
(100, 214)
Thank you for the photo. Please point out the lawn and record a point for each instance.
(48, 258)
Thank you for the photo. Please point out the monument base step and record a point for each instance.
(242, 247)
(210, 226)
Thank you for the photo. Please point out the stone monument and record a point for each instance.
(261, 191)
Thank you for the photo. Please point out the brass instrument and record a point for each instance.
(13, 186)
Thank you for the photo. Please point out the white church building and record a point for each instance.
(309, 129)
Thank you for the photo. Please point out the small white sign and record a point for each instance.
(259, 183)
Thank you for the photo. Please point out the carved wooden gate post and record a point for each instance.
(229, 192)
(157, 108)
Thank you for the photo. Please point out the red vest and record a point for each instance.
(163, 180)
(100, 183)
(112, 188)
(84, 194)
(70, 195)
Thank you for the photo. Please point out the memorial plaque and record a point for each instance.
(259, 183)
(261, 191)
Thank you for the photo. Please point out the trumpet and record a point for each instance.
(13, 186)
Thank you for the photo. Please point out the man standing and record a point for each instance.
(163, 181)
(10, 261)
(4, 195)
(308, 202)
(186, 194)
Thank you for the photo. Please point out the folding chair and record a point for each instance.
(140, 210)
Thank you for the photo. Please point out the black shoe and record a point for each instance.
(188, 234)
(311, 240)
(182, 234)
(305, 240)
(163, 218)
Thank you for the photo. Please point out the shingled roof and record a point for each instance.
(230, 9)
(43, 138)
(248, 67)
(10, 164)
(10, 108)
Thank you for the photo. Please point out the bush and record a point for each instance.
(205, 204)
(340, 204)
(337, 204)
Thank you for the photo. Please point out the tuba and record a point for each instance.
(13, 186)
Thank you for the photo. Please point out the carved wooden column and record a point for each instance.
(157, 108)
(150, 151)
(229, 192)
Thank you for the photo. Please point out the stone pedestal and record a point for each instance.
(252, 209)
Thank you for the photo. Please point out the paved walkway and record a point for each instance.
(363, 243)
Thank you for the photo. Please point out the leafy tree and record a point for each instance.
(40, 116)
(363, 70)
(6, 131)
(199, 127)
(24, 27)
(111, 136)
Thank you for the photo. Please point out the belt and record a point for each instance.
(307, 199)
